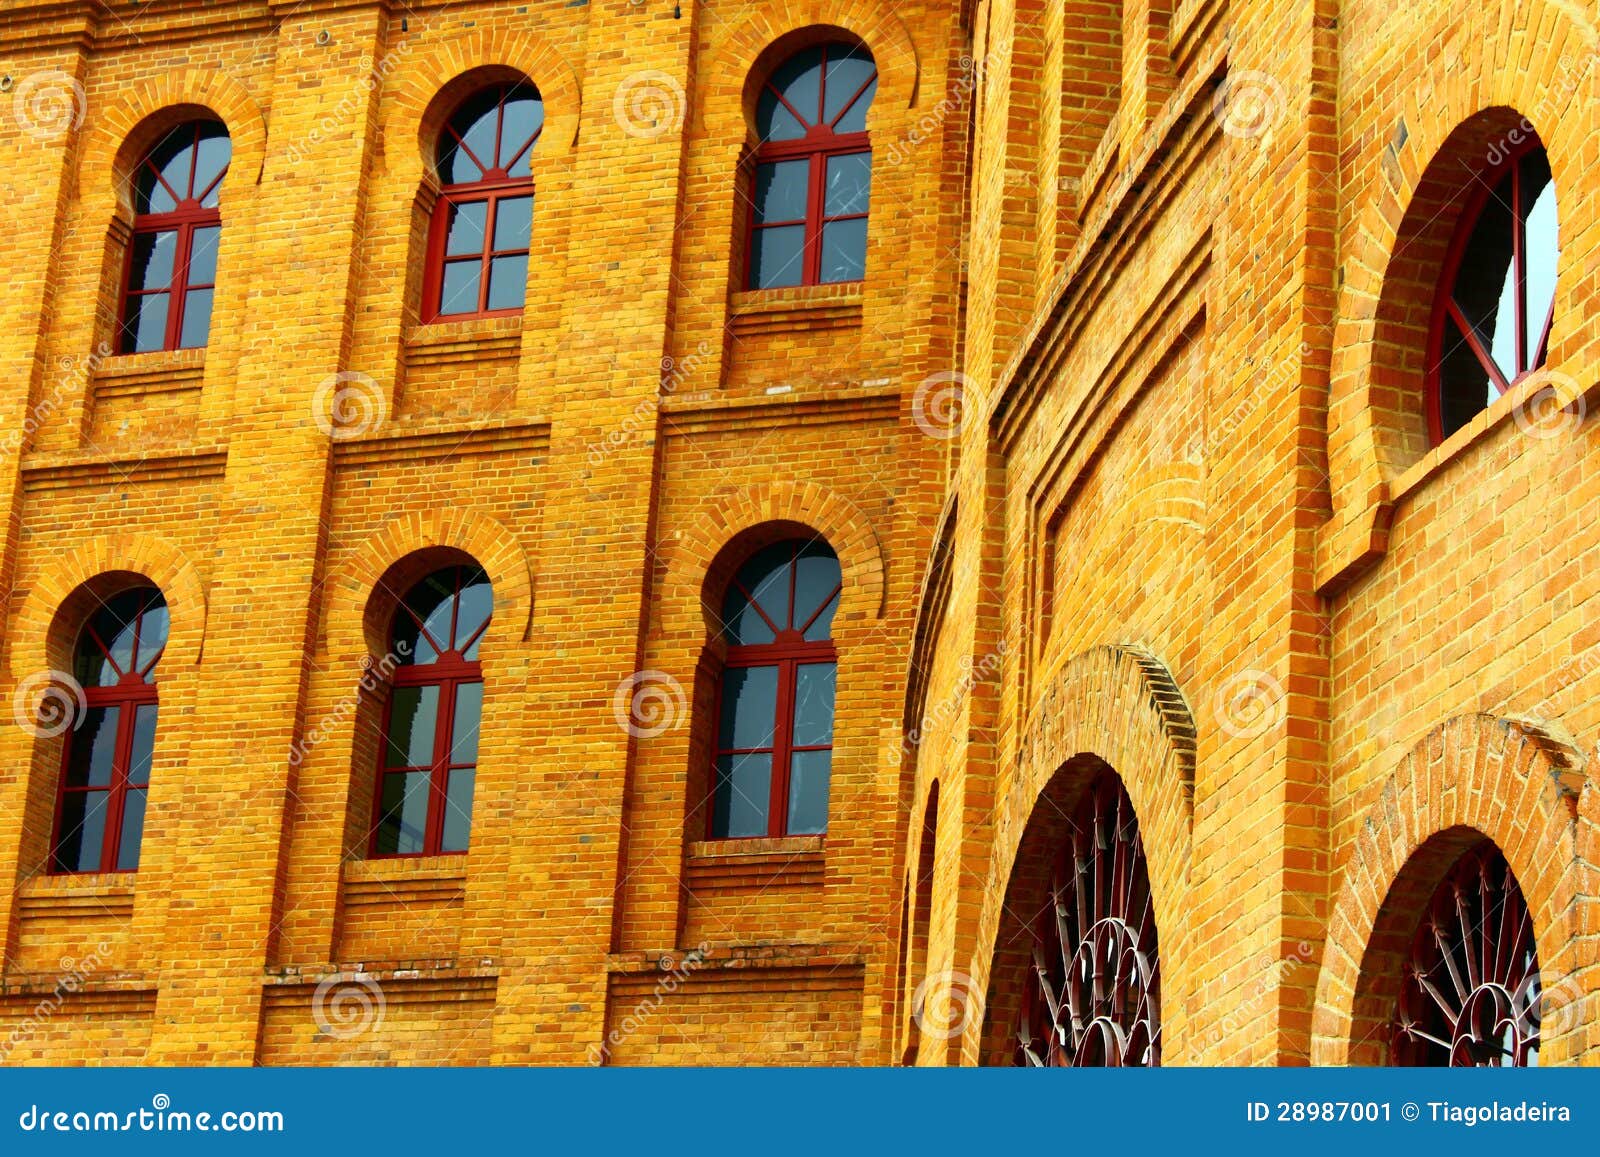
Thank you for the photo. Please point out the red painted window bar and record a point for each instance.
(774, 748)
(1092, 996)
(812, 182)
(171, 272)
(482, 225)
(427, 770)
(1470, 996)
(105, 767)
(1496, 298)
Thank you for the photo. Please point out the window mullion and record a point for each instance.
(814, 205)
(782, 745)
(444, 721)
(111, 843)
(1519, 269)
(178, 287)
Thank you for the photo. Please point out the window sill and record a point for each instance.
(736, 865)
(91, 894)
(472, 329)
(745, 302)
(149, 373)
(447, 867)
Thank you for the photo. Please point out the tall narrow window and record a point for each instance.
(428, 769)
(483, 221)
(1496, 299)
(813, 169)
(1470, 994)
(774, 748)
(106, 765)
(171, 272)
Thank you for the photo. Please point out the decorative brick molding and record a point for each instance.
(690, 558)
(488, 542)
(32, 646)
(1513, 781)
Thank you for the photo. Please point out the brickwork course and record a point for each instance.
(1121, 444)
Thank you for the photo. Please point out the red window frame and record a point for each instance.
(494, 187)
(133, 689)
(818, 145)
(1446, 311)
(450, 671)
(788, 652)
(189, 215)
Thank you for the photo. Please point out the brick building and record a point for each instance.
(666, 531)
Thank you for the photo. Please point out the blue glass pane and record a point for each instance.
(749, 707)
(403, 816)
(115, 625)
(144, 743)
(476, 604)
(1485, 287)
(132, 830)
(203, 255)
(799, 79)
(464, 234)
(475, 122)
(1541, 247)
(741, 622)
(92, 748)
(513, 223)
(508, 282)
(458, 809)
(464, 728)
(144, 324)
(742, 796)
(766, 578)
(809, 772)
(196, 319)
(780, 190)
(215, 152)
(173, 158)
(777, 257)
(413, 718)
(458, 291)
(848, 70)
(854, 119)
(152, 636)
(524, 117)
(844, 250)
(813, 704)
(849, 184)
(816, 578)
(774, 122)
(82, 835)
(153, 256)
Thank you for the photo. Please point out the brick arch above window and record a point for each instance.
(117, 139)
(762, 36)
(428, 87)
(731, 524)
(1475, 776)
(46, 628)
(454, 535)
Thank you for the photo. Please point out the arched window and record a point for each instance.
(483, 221)
(172, 259)
(1470, 993)
(105, 768)
(813, 169)
(1092, 993)
(774, 748)
(1496, 298)
(428, 767)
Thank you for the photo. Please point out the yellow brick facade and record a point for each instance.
(1119, 444)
